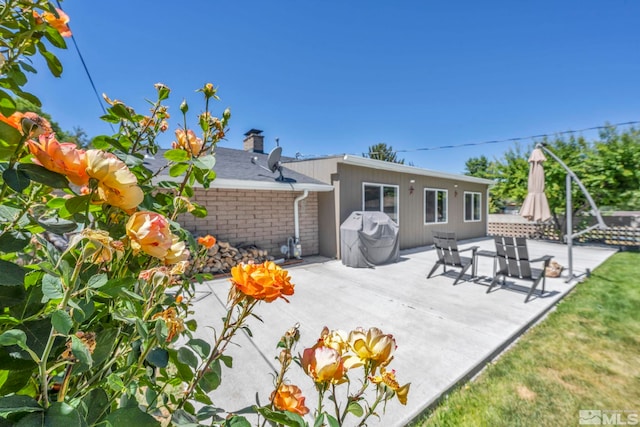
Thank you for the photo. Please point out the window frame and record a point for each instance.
(477, 195)
(446, 205)
(381, 198)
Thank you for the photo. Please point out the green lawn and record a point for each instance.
(585, 355)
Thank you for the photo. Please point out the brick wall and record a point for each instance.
(261, 218)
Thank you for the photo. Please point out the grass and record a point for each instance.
(584, 355)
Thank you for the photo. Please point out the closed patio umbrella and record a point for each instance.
(536, 206)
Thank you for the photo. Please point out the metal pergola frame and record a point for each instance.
(568, 238)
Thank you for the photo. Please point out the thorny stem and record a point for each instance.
(42, 366)
(372, 409)
(335, 405)
(229, 329)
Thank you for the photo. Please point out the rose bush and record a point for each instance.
(95, 302)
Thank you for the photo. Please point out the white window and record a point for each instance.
(435, 206)
(380, 197)
(472, 206)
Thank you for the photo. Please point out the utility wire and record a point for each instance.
(497, 141)
(86, 70)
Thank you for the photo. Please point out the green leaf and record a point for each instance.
(80, 351)
(131, 417)
(199, 211)
(98, 281)
(120, 110)
(227, 360)
(55, 38)
(61, 321)
(158, 357)
(38, 332)
(284, 418)
(16, 180)
(13, 337)
(77, 204)
(187, 357)
(9, 214)
(102, 142)
(319, 422)
(333, 422)
(22, 303)
(183, 418)
(205, 162)
(7, 104)
(59, 414)
(13, 241)
(17, 404)
(42, 175)
(95, 403)
(13, 381)
(355, 408)
(210, 381)
(178, 169)
(237, 421)
(57, 225)
(29, 97)
(201, 347)
(52, 287)
(12, 274)
(176, 155)
(104, 345)
(54, 64)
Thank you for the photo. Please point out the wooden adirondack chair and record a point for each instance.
(446, 247)
(513, 261)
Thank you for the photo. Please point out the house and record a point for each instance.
(246, 204)
(419, 200)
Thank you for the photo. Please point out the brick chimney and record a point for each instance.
(254, 141)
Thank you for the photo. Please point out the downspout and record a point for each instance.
(296, 220)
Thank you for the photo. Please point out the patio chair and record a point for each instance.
(513, 261)
(446, 247)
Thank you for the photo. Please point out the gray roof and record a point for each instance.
(234, 170)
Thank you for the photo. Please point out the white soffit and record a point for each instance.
(397, 167)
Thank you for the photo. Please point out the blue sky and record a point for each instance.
(332, 77)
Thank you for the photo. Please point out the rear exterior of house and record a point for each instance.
(248, 205)
(263, 218)
(419, 200)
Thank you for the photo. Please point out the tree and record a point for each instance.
(614, 170)
(480, 167)
(383, 152)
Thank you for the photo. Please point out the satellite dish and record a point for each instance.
(273, 161)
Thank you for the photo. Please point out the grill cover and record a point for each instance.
(368, 239)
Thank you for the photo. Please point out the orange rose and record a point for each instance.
(117, 186)
(323, 364)
(58, 22)
(13, 120)
(289, 398)
(61, 157)
(188, 141)
(149, 232)
(264, 281)
(207, 241)
(39, 125)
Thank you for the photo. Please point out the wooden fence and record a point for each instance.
(614, 235)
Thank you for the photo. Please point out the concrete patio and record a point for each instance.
(444, 333)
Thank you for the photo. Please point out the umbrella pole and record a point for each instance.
(569, 235)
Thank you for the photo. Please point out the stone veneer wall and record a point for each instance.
(252, 217)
